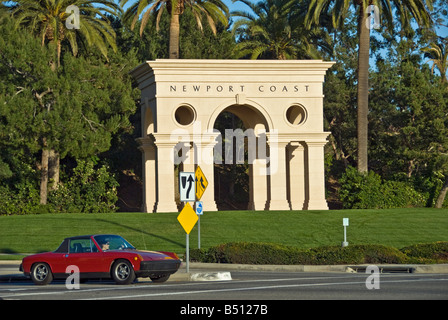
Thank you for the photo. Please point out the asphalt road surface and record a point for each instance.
(247, 287)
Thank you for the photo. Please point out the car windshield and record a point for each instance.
(112, 242)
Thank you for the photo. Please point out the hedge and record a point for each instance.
(271, 253)
(427, 253)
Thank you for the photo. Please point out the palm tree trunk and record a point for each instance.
(174, 35)
(363, 89)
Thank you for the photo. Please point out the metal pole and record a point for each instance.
(345, 234)
(188, 253)
(199, 231)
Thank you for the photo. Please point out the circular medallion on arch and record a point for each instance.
(185, 115)
(296, 115)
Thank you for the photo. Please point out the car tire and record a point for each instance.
(161, 278)
(41, 273)
(122, 272)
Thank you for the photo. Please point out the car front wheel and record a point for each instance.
(122, 272)
(41, 273)
(161, 278)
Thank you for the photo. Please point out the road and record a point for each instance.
(248, 286)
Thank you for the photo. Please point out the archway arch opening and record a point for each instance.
(239, 126)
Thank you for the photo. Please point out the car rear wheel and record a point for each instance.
(122, 272)
(41, 273)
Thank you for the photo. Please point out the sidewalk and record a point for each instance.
(9, 270)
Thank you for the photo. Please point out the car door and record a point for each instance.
(84, 254)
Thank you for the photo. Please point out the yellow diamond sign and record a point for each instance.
(201, 183)
(187, 218)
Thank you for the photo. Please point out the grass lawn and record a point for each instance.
(161, 231)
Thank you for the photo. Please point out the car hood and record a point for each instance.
(150, 255)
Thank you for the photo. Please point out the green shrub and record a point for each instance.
(368, 191)
(22, 198)
(90, 188)
(245, 253)
(250, 253)
(436, 252)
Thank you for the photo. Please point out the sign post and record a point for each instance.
(199, 212)
(187, 218)
(191, 187)
(345, 224)
(201, 185)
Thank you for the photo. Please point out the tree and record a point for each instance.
(205, 45)
(408, 133)
(418, 9)
(437, 52)
(74, 111)
(214, 10)
(47, 19)
(275, 30)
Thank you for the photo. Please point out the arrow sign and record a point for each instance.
(201, 183)
(187, 188)
(190, 181)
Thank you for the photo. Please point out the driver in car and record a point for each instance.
(105, 246)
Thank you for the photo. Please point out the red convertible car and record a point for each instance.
(100, 256)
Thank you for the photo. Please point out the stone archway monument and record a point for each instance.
(281, 106)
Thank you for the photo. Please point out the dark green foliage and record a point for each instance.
(91, 189)
(369, 191)
(276, 254)
(427, 252)
(75, 110)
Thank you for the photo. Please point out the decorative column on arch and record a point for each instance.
(258, 178)
(277, 173)
(148, 149)
(166, 201)
(257, 185)
(297, 181)
(316, 175)
(204, 157)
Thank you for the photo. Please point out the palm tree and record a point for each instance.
(275, 30)
(48, 19)
(214, 11)
(405, 9)
(438, 54)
